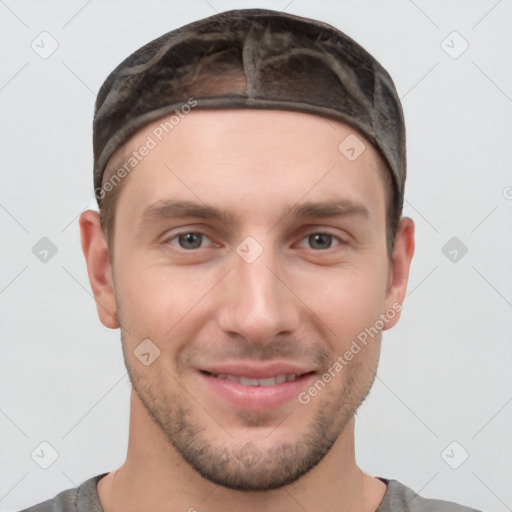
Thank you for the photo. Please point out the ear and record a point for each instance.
(99, 268)
(403, 252)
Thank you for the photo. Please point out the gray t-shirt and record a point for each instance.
(398, 498)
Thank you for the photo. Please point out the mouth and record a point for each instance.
(256, 388)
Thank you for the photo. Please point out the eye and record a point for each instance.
(191, 240)
(188, 240)
(321, 241)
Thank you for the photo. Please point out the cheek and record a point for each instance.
(348, 301)
(158, 302)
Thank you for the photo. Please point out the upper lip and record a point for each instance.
(257, 371)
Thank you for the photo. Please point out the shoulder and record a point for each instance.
(83, 498)
(398, 497)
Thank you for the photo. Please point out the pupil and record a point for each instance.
(190, 238)
(318, 238)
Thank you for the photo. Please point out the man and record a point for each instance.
(250, 171)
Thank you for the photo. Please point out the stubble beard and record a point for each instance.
(244, 466)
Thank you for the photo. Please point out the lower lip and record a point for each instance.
(256, 398)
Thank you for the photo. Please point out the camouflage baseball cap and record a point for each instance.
(253, 59)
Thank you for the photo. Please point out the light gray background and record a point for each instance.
(445, 369)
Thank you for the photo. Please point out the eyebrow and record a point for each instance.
(175, 209)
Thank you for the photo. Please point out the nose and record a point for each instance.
(257, 302)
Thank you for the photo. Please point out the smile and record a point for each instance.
(256, 387)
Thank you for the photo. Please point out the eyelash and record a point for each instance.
(177, 235)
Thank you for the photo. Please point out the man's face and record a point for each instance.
(261, 295)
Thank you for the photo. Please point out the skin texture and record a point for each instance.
(303, 300)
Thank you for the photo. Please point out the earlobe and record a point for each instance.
(400, 265)
(99, 268)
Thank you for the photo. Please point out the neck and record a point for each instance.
(155, 477)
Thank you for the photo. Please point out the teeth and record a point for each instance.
(271, 381)
(280, 379)
(249, 382)
(246, 381)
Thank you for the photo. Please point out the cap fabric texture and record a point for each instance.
(256, 59)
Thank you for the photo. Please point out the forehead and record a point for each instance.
(249, 154)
